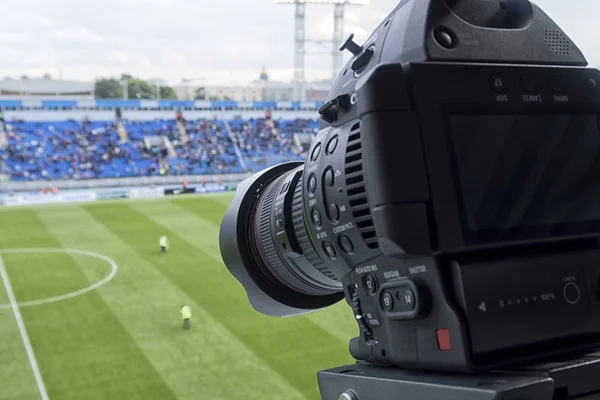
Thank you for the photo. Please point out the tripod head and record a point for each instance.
(566, 379)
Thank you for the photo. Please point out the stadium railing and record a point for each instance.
(22, 186)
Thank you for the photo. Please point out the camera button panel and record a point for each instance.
(328, 177)
(316, 152)
(387, 302)
(312, 184)
(591, 84)
(528, 83)
(370, 284)
(406, 300)
(334, 212)
(316, 218)
(409, 299)
(332, 145)
(572, 293)
(346, 244)
(329, 249)
(498, 83)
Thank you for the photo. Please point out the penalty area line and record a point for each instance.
(15, 307)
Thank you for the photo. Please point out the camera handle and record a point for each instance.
(575, 378)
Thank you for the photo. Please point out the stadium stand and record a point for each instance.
(265, 142)
(108, 149)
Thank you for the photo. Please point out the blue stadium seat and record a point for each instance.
(88, 150)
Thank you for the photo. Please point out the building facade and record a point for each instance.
(46, 89)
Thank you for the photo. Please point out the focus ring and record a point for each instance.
(267, 245)
(302, 235)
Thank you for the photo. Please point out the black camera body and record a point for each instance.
(452, 194)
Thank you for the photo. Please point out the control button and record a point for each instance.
(312, 184)
(572, 293)
(316, 152)
(346, 244)
(387, 302)
(316, 218)
(329, 177)
(334, 212)
(591, 84)
(285, 187)
(557, 83)
(332, 145)
(528, 83)
(370, 284)
(444, 37)
(329, 249)
(406, 300)
(443, 339)
(497, 83)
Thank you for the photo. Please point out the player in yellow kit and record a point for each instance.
(164, 244)
(186, 315)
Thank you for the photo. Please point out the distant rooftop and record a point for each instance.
(45, 87)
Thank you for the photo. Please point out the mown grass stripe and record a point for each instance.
(294, 347)
(17, 381)
(338, 320)
(224, 198)
(82, 349)
(206, 362)
(23, 332)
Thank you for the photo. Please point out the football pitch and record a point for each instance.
(89, 309)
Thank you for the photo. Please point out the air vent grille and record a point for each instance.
(355, 187)
(558, 42)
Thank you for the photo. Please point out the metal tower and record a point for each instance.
(338, 37)
(300, 39)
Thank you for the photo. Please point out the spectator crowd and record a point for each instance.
(89, 150)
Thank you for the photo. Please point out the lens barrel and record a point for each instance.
(283, 268)
(265, 245)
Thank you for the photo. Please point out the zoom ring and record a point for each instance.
(302, 235)
(275, 263)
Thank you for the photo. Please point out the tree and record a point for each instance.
(166, 93)
(140, 89)
(114, 88)
(47, 76)
(109, 88)
(24, 77)
(200, 94)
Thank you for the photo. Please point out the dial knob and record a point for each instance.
(351, 45)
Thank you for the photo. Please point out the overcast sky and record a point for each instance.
(215, 40)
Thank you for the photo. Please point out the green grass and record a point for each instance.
(124, 339)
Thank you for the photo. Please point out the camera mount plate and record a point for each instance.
(575, 378)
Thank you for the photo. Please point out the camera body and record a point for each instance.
(452, 194)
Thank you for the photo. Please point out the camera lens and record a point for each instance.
(268, 255)
(265, 245)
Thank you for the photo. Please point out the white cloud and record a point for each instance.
(226, 40)
(75, 33)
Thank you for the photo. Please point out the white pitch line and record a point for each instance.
(21, 324)
(109, 277)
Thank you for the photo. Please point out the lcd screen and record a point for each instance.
(521, 171)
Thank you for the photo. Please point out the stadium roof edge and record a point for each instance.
(158, 104)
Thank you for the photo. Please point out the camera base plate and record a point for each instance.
(575, 378)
